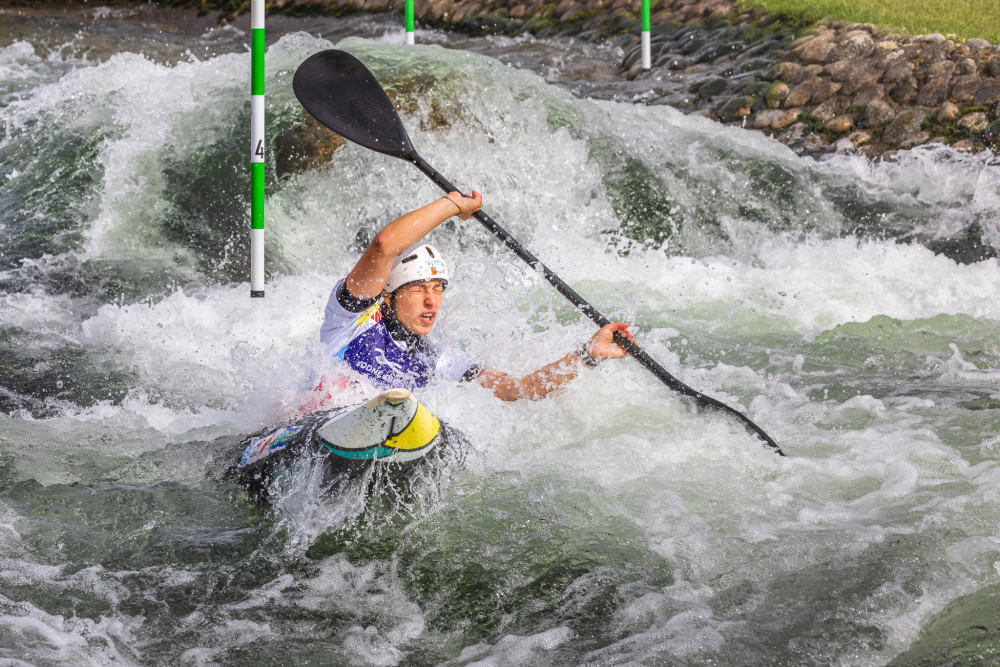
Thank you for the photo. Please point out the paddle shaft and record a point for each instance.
(340, 92)
(599, 319)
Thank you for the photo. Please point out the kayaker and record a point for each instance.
(378, 317)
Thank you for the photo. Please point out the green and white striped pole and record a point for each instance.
(257, 148)
(409, 22)
(647, 58)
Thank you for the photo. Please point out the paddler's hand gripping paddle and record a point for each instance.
(340, 92)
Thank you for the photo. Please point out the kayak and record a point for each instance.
(393, 430)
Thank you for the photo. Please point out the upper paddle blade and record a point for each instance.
(340, 92)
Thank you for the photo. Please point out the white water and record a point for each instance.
(882, 513)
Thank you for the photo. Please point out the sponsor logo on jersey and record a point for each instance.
(371, 314)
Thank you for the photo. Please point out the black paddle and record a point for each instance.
(340, 92)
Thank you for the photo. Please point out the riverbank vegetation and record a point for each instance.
(965, 19)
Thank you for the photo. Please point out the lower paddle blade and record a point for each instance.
(340, 92)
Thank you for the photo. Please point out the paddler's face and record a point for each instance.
(416, 305)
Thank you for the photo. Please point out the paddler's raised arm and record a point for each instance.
(556, 375)
(367, 278)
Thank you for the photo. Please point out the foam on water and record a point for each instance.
(44, 637)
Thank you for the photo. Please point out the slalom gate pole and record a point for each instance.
(257, 148)
(647, 58)
(409, 22)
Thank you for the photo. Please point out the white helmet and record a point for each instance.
(418, 262)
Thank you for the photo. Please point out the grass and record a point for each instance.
(965, 19)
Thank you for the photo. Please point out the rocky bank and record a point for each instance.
(818, 88)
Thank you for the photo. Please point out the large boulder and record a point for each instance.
(905, 130)
(826, 111)
(964, 89)
(776, 94)
(785, 70)
(935, 91)
(973, 123)
(854, 44)
(804, 74)
(736, 108)
(905, 91)
(993, 67)
(814, 91)
(898, 71)
(878, 114)
(939, 68)
(816, 48)
(840, 124)
(987, 96)
(776, 119)
(711, 87)
(873, 91)
(948, 112)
